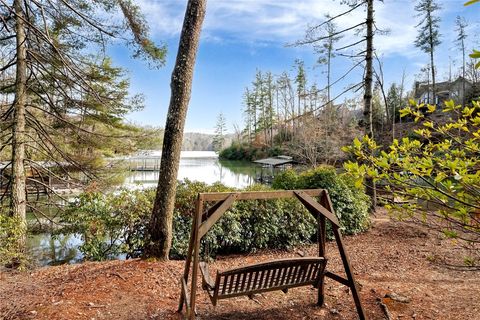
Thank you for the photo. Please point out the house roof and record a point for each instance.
(441, 87)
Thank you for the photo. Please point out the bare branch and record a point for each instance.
(87, 20)
(310, 41)
(351, 45)
(361, 3)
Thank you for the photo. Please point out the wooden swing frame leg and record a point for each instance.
(201, 223)
(322, 237)
(317, 209)
(351, 283)
(185, 299)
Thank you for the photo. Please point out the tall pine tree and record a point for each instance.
(220, 130)
(428, 37)
(47, 45)
(461, 25)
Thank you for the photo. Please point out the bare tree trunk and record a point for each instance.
(463, 73)
(367, 98)
(400, 99)
(265, 121)
(380, 80)
(434, 91)
(181, 85)
(299, 105)
(270, 116)
(367, 111)
(428, 84)
(329, 62)
(329, 106)
(19, 200)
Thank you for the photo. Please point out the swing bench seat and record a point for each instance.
(274, 275)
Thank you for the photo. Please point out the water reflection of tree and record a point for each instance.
(51, 249)
(61, 250)
(219, 169)
(239, 167)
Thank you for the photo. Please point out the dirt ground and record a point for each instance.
(391, 259)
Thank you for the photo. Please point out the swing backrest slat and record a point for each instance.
(268, 276)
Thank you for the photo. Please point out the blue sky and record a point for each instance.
(240, 36)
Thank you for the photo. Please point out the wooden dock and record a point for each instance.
(144, 163)
(152, 162)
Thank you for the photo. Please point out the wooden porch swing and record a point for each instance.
(279, 274)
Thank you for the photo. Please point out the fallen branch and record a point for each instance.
(118, 275)
(384, 307)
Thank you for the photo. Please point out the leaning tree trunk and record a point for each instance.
(19, 201)
(181, 85)
(367, 111)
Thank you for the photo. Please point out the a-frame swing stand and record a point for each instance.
(205, 219)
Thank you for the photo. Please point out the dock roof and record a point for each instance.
(276, 161)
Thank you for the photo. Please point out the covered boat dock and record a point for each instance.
(271, 166)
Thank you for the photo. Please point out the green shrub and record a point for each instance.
(185, 209)
(247, 226)
(11, 232)
(110, 225)
(285, 180)
(274, 151)
(116, 224)
(238, 151)
(350, 202)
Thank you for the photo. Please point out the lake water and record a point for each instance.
(201, 166)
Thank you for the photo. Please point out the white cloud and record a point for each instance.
(165, 18)
(396, 17)
(282, 21)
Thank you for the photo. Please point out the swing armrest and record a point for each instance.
(206, 276)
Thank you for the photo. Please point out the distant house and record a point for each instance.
(445, 91)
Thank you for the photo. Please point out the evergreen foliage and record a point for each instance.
(428, 37)
(239, 151)
(112, 225)
(61, 105)
(286, 114)
(220, 130)
(117, 224)
(394, 101)
(350, 202)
